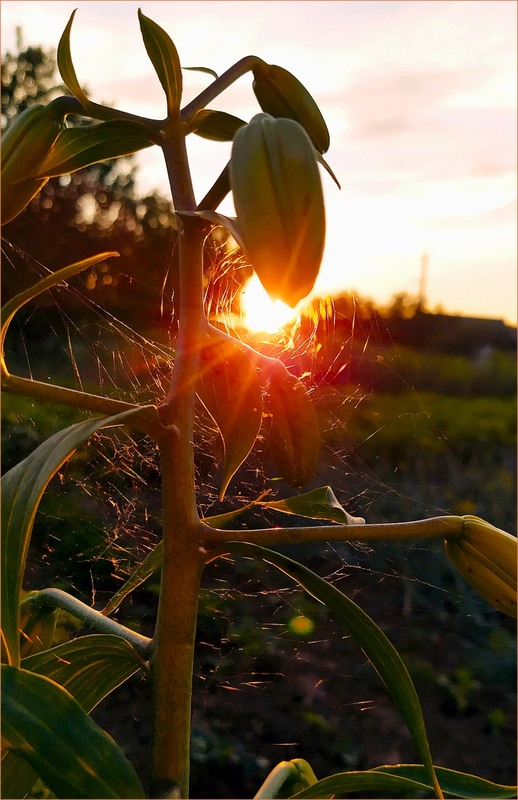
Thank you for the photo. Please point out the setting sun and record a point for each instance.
(260, 313)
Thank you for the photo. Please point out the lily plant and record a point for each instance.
(274, 175)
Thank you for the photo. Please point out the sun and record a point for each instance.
(259, 312)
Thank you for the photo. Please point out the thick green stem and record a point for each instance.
(49, 393)
(173, 644)
(183, 557)
(433, 528)
(56, 598)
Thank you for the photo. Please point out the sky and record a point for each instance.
(419, 97)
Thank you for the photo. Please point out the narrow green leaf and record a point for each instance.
(217, 192)
(22, 489)
(89, 667)
(457, 784)
(65, 65)
(321, 160)
(345, 783)
(151, 563)
(230, 391)
(76, 148)
(38, 626)
(164, 57)
(46, 726)
(379, 650)
(318, 504)
(203, 69)
(406, 778)
(17, 775)
(215, 125)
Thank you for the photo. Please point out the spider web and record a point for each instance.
(247, 635)
(103, 354)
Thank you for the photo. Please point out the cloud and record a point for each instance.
(396, 102)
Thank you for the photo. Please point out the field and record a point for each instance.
(422, 444)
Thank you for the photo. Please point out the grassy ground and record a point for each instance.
(262, 693)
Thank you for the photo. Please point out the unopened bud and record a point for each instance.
(486, 558)
(25, 145)
(279, 205)
(281, 94)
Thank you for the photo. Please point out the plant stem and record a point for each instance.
(183, 557)
(435, 527)
(219, 85)
(173, 642)
(217, 192)
(56, 598)
(49, 393)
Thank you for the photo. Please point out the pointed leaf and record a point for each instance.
(76, 148)
(458, 784)
(319, 504)
(217, 192)
(379, 650)
(321, 160)
(215, 125)
(151, 563)
(38, 626)
(42, 721)
(164, 57)
(402, 779)
(203, 69)
(89, 668)
(345, 783)
(230, 391)
(65, 65)
(17, 776)
(22, 489)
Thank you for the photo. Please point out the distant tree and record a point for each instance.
(28, 78)
(95, 209)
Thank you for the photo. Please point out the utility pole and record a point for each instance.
(423, 278)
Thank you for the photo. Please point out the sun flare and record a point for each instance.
(259, 312)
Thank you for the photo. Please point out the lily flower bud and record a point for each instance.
(279, 205)
(281, 94)
(486, 557)
(25, 145)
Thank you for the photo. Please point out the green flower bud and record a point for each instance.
(25, 145)
(486, 557)
(279, 205)
(281, 94)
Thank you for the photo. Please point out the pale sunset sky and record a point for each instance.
(419, 97)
